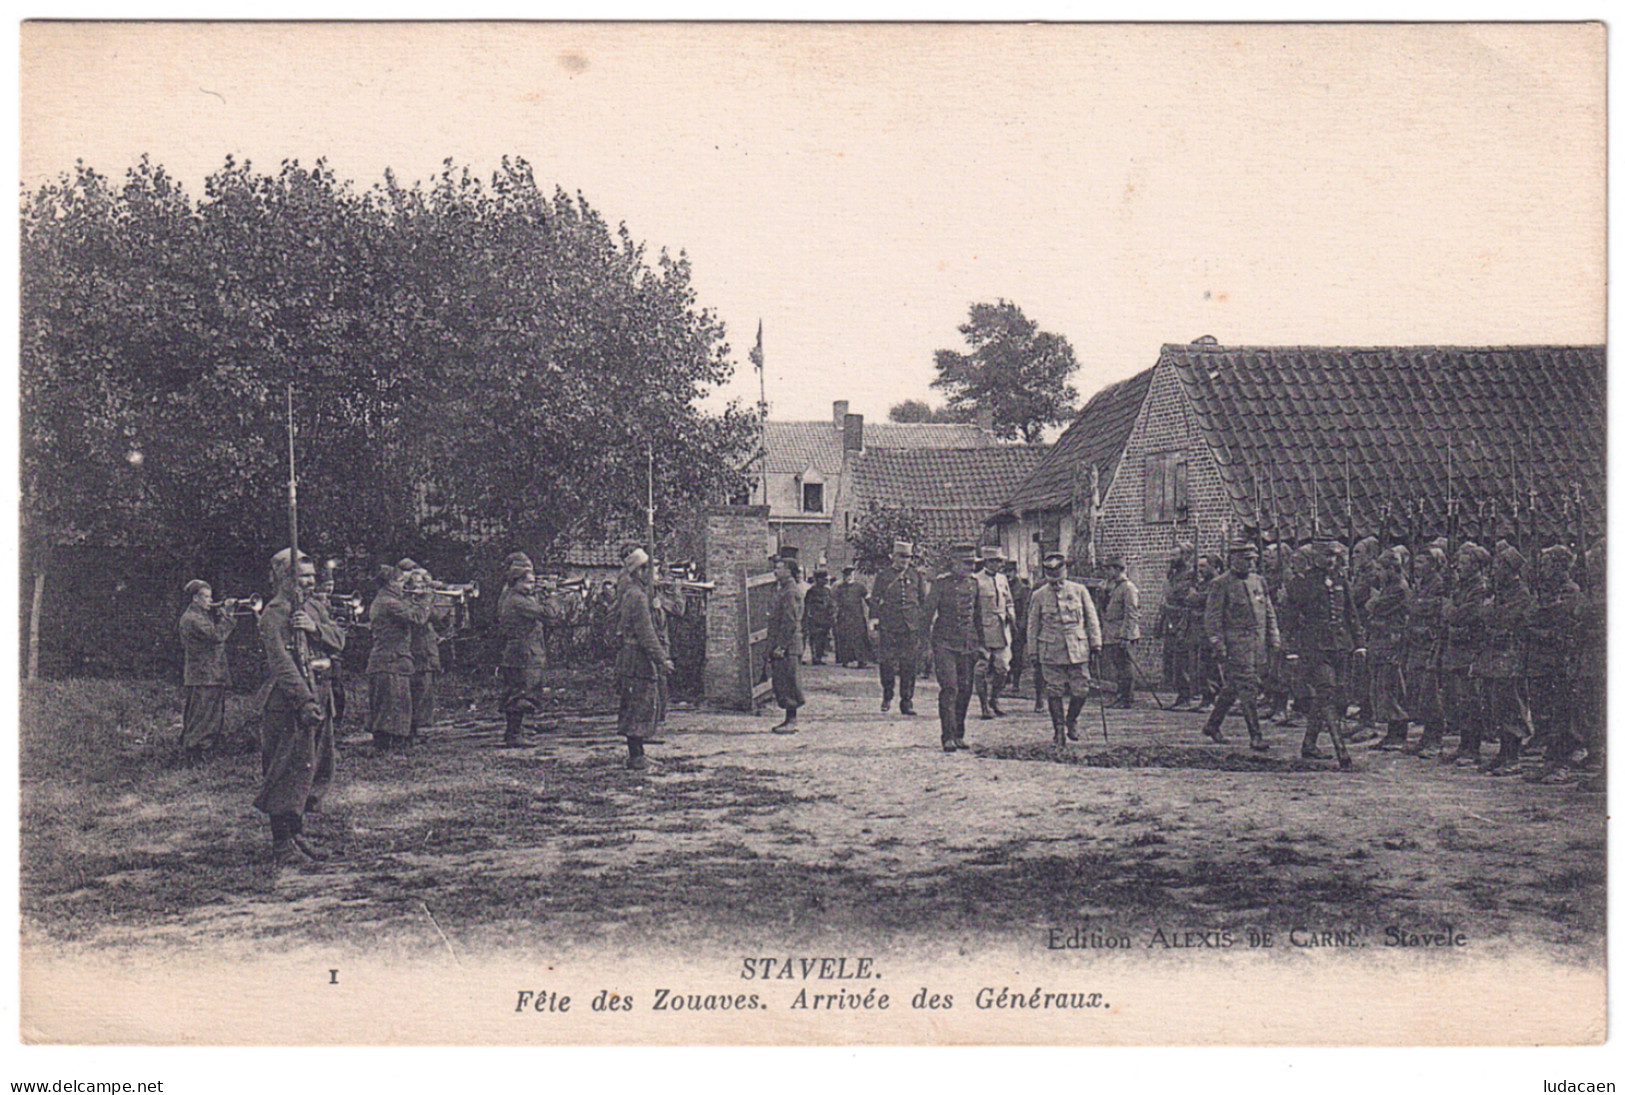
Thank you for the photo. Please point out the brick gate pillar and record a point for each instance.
(734, 540)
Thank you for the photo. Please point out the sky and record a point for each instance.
(855, 189)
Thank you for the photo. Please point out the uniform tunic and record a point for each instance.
(819, 604)
(390, 665)
(953, 610)
(1063, 626)
(1424, 637)
(520, 622)
(1385, 612)
(1318, 615)
(896, 603)
(784, 636)
(1462, 640)
(639, 664)
(1503, 619)
(426, 665)
(205, 678)
(852, 623)
(1241, 622)
(296, 757)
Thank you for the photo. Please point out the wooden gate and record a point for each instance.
(756, 594)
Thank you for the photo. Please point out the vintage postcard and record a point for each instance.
(924, 534)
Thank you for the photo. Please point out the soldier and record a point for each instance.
(784, 639)
(1499, 664)
(1204, 670)
(852, 621)
(1591, 667)
(1462, 640)
(1173, 623)
(1277, 690)
(389, 665)
(1424, 641)
(1121, 622)
(1363, 579)
(1553, 627)
(819, 604)
(1318, 613)
(204, 628)
(1240, 624)
(1021, 595)
(641, 663)
(953, 618)
(1065, 630)
(522, 615)
(325, 585)
(997, 614)
(895, 604)
(296, 758)
(1385, 608)
(426, 665)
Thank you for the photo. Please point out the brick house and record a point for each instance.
(1212, 440)
(807, 464)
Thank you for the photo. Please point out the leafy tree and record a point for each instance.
(1014, 369)
(878, 527)
(918, 410)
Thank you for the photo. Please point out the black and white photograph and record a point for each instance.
(818, 534)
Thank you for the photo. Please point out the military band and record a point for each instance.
(204, 628)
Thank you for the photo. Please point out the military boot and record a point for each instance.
(1057, 719)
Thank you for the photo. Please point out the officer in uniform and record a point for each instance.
(1204, 671)
(392, 615)
(895, 605)
(1021, 596)
(1172, 622)
(204, 629)
(784, 638)
(1064, 628)
(1318, 612)
(522, 615)
(998, 614)
(1240, 624)
(953, 618)
(296, 757)
(819, 604)
(1121, 622)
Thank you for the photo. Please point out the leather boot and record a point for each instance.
(1057, 719)
(1425, 745)
(1074, 707)
(515, 732)
(1311, 739)
(1398, 731)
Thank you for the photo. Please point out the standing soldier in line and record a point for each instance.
(895, 604)
(522, 615)
(426, 665)
(1240, 624)
(204, 628)
(784, 639)
(1173, 622)
(998, 611)
(1021, 597)
(1424, 642)
(1204, 669)
(1386, 625)
(819, 604)
(296, 757)
(1318, 612)
(1462, 640)
(642, 661)
(1276, 569)
(1121, 622)
(390, 665)
(1591, 668)
(852, 621)
(953, 618)
(1363, 578)
(1065, 631)
(1499, 666)
(325, 585)
(1553, 627)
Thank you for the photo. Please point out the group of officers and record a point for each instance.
(1464, 643)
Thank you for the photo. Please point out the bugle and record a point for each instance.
(239, 606)
(455, 592)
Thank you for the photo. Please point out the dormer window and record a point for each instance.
(812, 491)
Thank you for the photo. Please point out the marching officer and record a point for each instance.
(1318, 612)
(1121, 622)
(819, 604)
(784, 638)
(953, 618)
(852, 621)
(1241, 628)
(998, 611)
(389, 665)
(895, 605)
(296, 747)
(1064, 629)
(522, 613)
(204, 628)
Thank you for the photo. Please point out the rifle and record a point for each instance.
(301, 642)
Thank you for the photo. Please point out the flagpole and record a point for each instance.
(761, 404)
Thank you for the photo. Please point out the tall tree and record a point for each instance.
(1013, 369)
(918, 410)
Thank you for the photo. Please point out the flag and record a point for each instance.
(756, 354)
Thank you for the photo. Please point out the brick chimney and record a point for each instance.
(852, 432)
(840, 413)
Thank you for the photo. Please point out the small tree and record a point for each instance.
(881, 526)
(918, 410)
(1015, 370)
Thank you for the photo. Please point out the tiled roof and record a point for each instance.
(953, 490)
(1096, 436)
(1296, 428)
(793, 447)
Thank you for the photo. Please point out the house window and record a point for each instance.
(1167, 496)
(812, 498)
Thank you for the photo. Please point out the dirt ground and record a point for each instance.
(859, 828)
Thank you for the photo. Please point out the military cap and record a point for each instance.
(279, 561)
(1182, 550)
(417, 580)
(848, 569)
(902, 547)
(1054, 561)
(194, 585)
(1506, 553)
(635, 558)
(963, 551)
(991, 553)
(518, 559)
(1472, 551)
(820, 573)
(407, 565)
(1246, 549)
(788, 552)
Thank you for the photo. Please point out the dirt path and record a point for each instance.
(858, 828)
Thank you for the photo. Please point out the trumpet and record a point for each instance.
(554, 583)
(455, 592)
(347, 608)
(239, 606)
